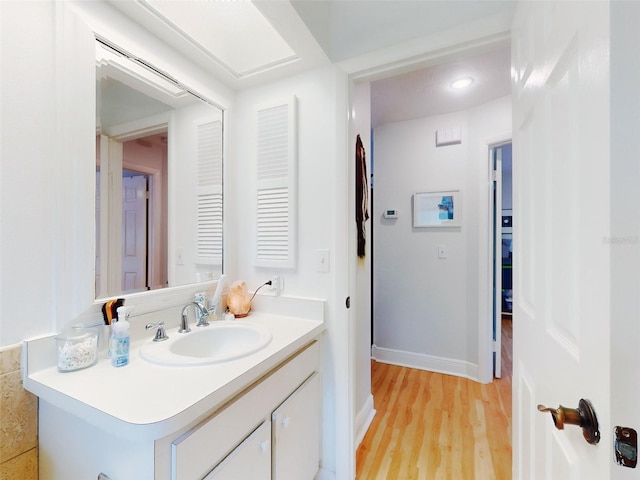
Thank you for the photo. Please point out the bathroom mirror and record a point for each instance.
(159, 203)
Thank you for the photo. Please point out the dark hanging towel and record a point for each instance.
(362, 195)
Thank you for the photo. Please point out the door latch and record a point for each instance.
(626, 446)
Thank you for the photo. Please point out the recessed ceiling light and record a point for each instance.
(463, 82)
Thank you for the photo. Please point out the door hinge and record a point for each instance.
(494, 175)
(495, 346)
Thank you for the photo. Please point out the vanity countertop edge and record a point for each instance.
(172, 397)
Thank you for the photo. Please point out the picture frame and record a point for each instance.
(437, 209)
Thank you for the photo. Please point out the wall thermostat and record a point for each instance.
(391, 214)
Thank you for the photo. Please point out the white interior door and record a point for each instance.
(134, 233)
(561, 201)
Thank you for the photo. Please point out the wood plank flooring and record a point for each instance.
(431, 426)
(507, 346)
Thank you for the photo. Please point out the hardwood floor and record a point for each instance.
(507, 346)
(431, 426)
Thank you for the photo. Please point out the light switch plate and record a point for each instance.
(442, 251)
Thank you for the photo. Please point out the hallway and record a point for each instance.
(432, 426)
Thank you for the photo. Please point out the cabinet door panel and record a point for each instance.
(296, 433)
(250, 460)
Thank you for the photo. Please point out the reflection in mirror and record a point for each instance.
(158, 179)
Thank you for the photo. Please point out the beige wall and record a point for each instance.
(18, 420)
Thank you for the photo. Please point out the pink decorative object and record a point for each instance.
(239, 301)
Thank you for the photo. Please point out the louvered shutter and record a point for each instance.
(276, 199)
(209, 192)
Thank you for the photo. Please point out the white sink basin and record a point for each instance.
(221, 341)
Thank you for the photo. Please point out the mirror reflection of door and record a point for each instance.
(134, 232)
(146, 245)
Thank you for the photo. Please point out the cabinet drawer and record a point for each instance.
(250, 460)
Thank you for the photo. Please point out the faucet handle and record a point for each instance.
(202, 314)
(161, 335)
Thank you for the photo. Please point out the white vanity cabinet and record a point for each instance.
(271, 430)
(151, 422)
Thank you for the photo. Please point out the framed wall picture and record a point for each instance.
(437, 209)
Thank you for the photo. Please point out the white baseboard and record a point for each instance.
(364, 419)
(431, 363)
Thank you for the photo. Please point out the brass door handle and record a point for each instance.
(584, 416)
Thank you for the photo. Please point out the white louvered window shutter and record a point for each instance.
(276, 196)
(209, 193)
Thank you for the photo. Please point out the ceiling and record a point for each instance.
(347, 29)
(319, 32)
(350, 28)
(427, 91)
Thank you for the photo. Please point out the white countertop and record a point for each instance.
(150, 401)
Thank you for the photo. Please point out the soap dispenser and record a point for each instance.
(120, 339)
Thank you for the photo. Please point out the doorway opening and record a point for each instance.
(131, 214)
(500, 158)
(421, 285)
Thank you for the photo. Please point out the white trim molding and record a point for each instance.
(324, 474)
(363, 420)
(431, 363)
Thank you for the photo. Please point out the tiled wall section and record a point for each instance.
(18, 421)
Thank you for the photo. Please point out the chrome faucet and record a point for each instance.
(203, 317)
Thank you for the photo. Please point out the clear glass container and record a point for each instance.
(77, 349)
